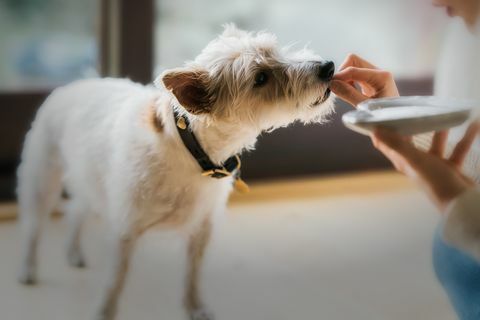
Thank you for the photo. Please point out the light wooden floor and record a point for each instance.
(325, 187)
(351, 247)
(315, 187)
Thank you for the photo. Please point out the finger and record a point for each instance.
(367, 89)
(391, 139)
(348, 62)
(463, 147)
(396, 142)
(467, 181)
(347, 92)
(369, 76)
(353, 60)
(439, 143)
(397, 159)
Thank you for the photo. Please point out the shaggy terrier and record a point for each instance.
(165, 154)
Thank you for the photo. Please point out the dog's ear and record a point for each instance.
(190, 87)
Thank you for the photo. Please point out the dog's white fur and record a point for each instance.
(114, 146)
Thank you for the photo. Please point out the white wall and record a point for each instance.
(402, 36)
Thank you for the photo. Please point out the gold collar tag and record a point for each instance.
(181, 123)
(241, 186)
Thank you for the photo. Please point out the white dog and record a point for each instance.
(145, 156)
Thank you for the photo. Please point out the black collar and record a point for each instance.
(231, 167)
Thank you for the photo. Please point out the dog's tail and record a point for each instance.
(38, 190)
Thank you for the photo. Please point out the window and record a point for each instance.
(46, 43)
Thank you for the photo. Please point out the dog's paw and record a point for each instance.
(201, 314)
(27, 275)
(76, 259)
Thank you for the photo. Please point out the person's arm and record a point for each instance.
(462, 223)
(441, 177)
(456, 195)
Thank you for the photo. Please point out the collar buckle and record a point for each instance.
(216, 173)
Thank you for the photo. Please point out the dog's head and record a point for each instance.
(245, 78)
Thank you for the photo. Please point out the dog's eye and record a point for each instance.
(261, 79)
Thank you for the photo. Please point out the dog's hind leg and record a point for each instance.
(196, 250)
(121, 251)
(39, 190)
(75, 215)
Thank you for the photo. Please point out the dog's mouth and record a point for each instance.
(322, 99)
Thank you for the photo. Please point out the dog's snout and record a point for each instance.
(325, 70)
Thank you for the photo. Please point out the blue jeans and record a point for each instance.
(459, 274)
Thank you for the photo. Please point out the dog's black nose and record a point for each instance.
(325, 70)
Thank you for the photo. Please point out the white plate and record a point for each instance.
(409, 115)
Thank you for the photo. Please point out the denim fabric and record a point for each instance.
(459, 274)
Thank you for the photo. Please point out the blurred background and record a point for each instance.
(47, 43)
(367, 257)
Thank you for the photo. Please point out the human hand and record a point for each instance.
(373, 82)
(441, 177)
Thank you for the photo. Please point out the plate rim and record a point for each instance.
(463, 108)
(427, 101)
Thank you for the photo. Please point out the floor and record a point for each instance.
(361, 254)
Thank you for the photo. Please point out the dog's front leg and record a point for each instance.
(121, 251)
(197, 244)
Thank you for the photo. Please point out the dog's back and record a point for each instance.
(72, 143)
